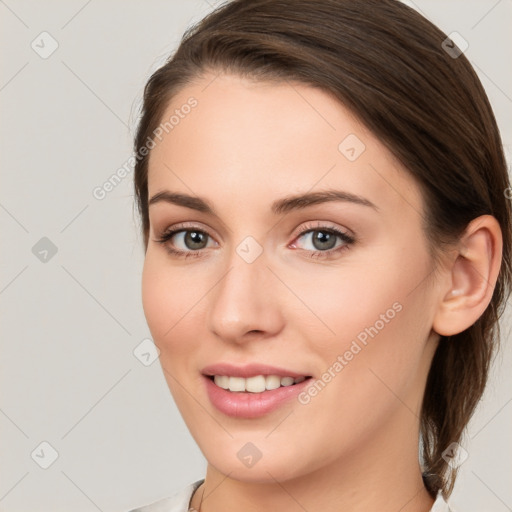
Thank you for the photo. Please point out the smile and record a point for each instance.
(256, 384)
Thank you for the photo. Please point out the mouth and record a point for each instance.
(255, 384)
(252, 391)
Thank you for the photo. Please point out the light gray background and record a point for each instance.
(70, 325)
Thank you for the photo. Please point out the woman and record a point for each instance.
(322, 191)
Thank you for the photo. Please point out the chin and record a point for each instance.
(259, 473)
(234, 459)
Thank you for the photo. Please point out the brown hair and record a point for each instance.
(387, 64)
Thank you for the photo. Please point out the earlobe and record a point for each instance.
(471, 278)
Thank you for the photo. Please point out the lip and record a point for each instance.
(245, 404)
(249, 370)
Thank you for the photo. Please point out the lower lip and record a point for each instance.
(251, 405)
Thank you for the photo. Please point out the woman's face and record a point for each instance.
(265, 279)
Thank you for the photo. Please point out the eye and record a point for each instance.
(324, 241)
(321, 241)
(185, 242)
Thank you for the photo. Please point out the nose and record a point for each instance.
(246, 303)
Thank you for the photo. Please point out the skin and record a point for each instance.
(355, 445)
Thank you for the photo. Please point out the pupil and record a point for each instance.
(194, 238)
(324, 240)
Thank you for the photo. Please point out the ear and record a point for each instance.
(470, 277)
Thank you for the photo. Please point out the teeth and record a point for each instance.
(236, 384)
(222, 381)
(272, 382)
(256, 384)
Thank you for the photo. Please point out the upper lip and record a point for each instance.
(249, 370)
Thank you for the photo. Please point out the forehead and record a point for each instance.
(261, 140)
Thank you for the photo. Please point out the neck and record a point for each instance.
(382, 474)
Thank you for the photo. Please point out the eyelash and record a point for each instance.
(347, 239)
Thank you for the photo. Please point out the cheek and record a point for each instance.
(357, 298)
(172, 306)
(380, 320)
(155, 297)
(375, 317)
(171, 301)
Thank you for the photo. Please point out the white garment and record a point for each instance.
(180, 502)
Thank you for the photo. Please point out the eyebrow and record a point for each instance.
(280, 206)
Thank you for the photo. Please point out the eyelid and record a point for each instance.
(189, 226)
(324, 225)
